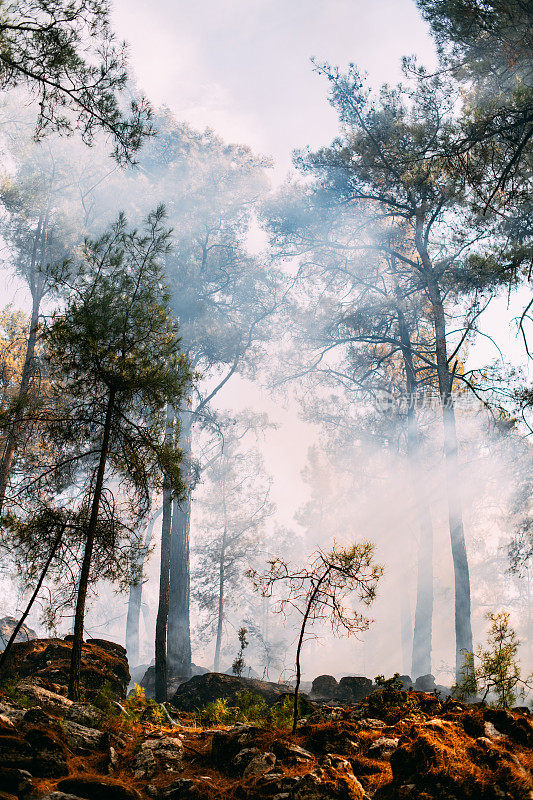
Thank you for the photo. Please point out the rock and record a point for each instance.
(6, 726)
(324, 686)
(354, 688)
(144, 764)
(97, 789)
(174, 681)
(259, 764)
(15, 752)
(81, 738)
(491, 732)
(197, 692)
(368, 722)
(84, 714)
(43, 698)
(185, 789)
(49, 754)
(425, 683)
(167, 752)
(327, 714)
(383, 747)
(517, 726)
(240, 761)
(287, 751)
(226, 744)
(37, 716)
(45, 663)
(8, 625)
(11, 712)
(406, 681)
(60, 796)
(17, 781)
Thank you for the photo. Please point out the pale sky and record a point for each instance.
(243, 67)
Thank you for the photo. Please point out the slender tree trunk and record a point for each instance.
(135, 599)
(37, 288)
(406, 626)
(132, 621)
(423, 627)
(179, 626)
(164, 574)
(463, 623)
(32, 599)
(220, 620)
(299, 649)
(16, 426)
(77, 642)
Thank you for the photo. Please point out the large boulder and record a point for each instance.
(46, 663)
(147, 681)
(354, 688)
(324, 686)
(8, 625)
(200, 690)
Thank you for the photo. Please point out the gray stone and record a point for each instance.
(383, 747)
(324, 686)
(261, 763)
(82, 738)
(425, 683)
(84, 714)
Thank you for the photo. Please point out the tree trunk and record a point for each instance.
(463, 624)
(37, 288)
(15, 429)
(132, 621)
(179, 626)
(32, 599)
(423, 628)
(135, 599)
(216, 664)
(406, 627)
(162, 610)
(77, 642)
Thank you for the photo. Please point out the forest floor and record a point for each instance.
(391, 745)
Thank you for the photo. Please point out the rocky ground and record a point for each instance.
(392, 744)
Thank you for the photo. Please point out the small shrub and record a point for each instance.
(238, 665)
(281, 713)
(495, 670)
(105, 702)
(390, 699)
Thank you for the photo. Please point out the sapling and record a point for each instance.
(495, 669)
(319, 592)
(238, 665)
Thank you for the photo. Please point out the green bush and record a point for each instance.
(249, 707)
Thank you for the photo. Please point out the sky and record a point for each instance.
(243, 67)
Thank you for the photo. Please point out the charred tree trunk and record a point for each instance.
(162, 610)
(77, 642)
(179, 626)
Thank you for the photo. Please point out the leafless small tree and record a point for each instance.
(320, 592)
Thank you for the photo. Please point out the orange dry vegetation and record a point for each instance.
(449, 751)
